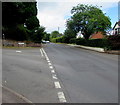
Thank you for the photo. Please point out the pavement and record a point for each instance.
(9, 96)
(101, 50)
(61, 73)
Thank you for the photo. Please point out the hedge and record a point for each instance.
(72, 41)
(102, 43)
(110, 43)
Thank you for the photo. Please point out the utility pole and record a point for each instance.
(58, 29)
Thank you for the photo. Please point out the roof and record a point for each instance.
(97, 35)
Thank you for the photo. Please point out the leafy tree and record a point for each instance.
(54, 34)
(32, 22)
(39, 34)
(46, 36)
(19, 20)
(88, 19)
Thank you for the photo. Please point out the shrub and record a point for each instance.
(103, 43)
(114, 41)
(65, 39)
(73, 40)
(53, 40)
(80, 41)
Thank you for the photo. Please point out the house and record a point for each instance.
(97, 35)
(79, 35)
(116, 28)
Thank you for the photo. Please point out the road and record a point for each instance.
(82, 76)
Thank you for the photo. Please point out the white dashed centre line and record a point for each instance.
(57, 84)
(54, 76)
(49, 64)
(48, 61)
(51, 67)
(61, 97)
(52, 71)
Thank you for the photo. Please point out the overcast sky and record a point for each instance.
(54, 14)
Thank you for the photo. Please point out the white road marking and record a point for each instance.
(61, 97)
(18, 51)
(49, 64)
(51, 67)
(41, 53)
(54, 76)
(52, 71)
(45, 54)
(48, 61)
(57, 84)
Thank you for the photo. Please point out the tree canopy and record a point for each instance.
(87, 19)
(20, 21)
(54, 34)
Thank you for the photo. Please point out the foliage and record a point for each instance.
(54, 34)
(72, 40)
(114, 41)
(39, 34)
(69, 34)
(87, 19)
(102, 43)
(46, 36)
(16, 32)
(32, 22)
(57, 40)
(20, 21)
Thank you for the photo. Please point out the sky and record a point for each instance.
(52, 14)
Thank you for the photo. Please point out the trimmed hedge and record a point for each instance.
(72, 41)
(114, 41)
(109, 43)
(102, 43)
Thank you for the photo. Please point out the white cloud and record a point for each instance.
(54, 14)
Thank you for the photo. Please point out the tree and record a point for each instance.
(46, 36)
(54, 34)
(32, 22)
(69, 34)
(19, 20)
(88, 19)
(39, 34)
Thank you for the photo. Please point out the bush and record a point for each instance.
(53, 40)
(65, 39)
(114, 41)
(80, 41)
(73, 40)
(103, 43)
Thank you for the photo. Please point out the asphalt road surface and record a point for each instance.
(61, 73)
